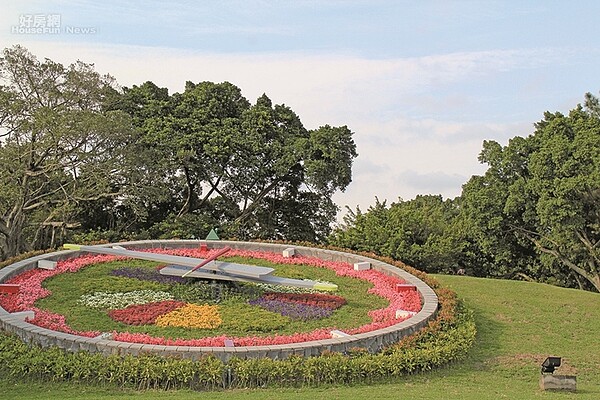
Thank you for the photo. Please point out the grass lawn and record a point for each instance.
(519, 324)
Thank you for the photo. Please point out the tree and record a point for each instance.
(59, 149)
(78, 152)
(275, 176)
(502, 253)
(424, 232)
(538, 205)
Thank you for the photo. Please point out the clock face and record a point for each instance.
(242, 296)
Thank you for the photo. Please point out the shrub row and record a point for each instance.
(445, 339)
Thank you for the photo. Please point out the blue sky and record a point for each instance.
(421, 83)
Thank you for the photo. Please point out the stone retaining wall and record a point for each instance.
(373, 341)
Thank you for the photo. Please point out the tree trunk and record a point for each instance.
(12, 243)
(596, 282)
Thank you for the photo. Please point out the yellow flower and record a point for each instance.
(192, 316)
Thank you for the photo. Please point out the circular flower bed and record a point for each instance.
(172, 308)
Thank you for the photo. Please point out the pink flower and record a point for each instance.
(30, 281)
(56, 322)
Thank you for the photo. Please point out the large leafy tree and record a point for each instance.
(274, 176)
(491, 231)
(59, 148)
(537, 208)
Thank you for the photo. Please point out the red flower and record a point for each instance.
(144, 314)
(328, 301)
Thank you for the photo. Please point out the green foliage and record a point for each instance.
(251, 169)
(423, 232)
(330, 154)
(188, 226)
(60, 149)
(244, 319)
(207, 292)
(141, 372)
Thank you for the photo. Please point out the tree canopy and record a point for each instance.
(80, 154)
(539, 199)
(59, 148)
(253, 167)
(424, 232)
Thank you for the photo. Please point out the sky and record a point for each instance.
(420, 83)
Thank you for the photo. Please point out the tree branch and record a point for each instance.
(592, 278)
(256, 201)
(591, 249)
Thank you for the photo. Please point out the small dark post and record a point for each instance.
(550, 364)
(548, 381)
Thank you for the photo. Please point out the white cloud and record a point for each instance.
(431, 182)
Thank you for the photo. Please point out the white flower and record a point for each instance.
(112, 301)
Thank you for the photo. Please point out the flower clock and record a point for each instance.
(133, 302)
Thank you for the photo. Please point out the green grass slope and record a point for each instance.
(519, 324)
